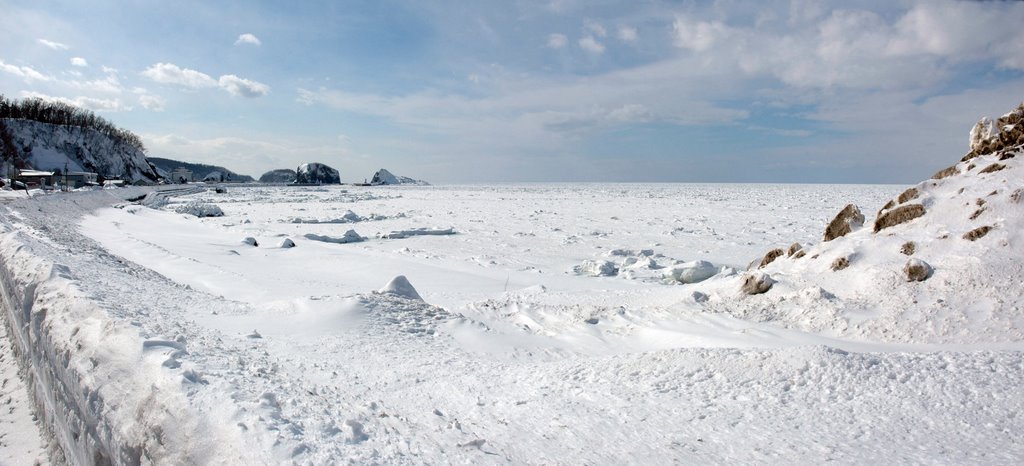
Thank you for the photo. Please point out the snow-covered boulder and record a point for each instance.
(981, 133)
(400, 286)
(384, 177)
(250, 241)
(286, 243)
(200, 209)
(284, 175)
(316, 173)
(596, 268)
(756, 283)
(691, 272)
(49, 147)
(917, 270)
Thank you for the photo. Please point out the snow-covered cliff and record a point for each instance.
(47, 146)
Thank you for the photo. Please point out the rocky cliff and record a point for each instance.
(47, 146)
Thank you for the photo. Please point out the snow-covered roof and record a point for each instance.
(34, 173)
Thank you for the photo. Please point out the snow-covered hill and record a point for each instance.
(47, 146)
(943, 262)
(384, 177)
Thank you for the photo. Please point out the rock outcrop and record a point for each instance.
(283, 175)
(384, 177)
(316, 173)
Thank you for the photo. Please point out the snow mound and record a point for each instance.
(596, 268)
(691, 272)
(200, 209)
(400, 286)
(384, 177)
(286, 243)
(350, 236)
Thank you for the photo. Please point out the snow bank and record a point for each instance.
(103, 395)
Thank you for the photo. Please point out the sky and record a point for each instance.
(522, 91)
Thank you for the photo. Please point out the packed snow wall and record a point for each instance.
(101, 396)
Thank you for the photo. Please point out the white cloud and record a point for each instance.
(109, 70)
(109, 85)
(248, 39)
(79, 61)
(168, 73)
(24, 72)
(240, 87)
(91, 103)
(557, 41)
(152, 102)
(590, 44)
(595, 27)
(698, 35)
(53, 45)
(627, 34)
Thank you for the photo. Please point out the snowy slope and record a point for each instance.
(970, 233)
(50, 147)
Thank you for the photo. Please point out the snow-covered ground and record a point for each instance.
(552, 326)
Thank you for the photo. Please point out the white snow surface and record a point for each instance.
(511, 356)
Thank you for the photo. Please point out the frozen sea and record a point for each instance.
(549, 329)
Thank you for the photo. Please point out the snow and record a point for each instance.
(502, 352)
(400, 286)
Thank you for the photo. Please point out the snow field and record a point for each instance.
(511, 355)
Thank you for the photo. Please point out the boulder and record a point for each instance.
(847, 220)
(901, 214)
(756, 283)
(917, 270)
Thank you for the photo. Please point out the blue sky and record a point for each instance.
(554, 90)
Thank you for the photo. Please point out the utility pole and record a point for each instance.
(66, 176)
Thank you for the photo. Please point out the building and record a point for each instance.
(78, 179)
(181, 175)
(35, 179)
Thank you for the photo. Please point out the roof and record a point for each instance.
(34, 173)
